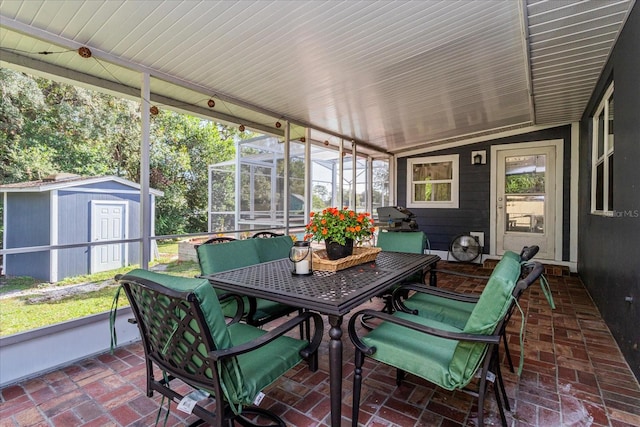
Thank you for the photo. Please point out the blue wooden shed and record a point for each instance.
(69, 209)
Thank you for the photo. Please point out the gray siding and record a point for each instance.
(28, 225)
(442, 225)
(609, 247)
(74, 223)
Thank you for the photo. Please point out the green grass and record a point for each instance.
(19, 314)
(22, 313)
(18, 284)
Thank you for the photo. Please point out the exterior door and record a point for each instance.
(107, 223)
(526, 200)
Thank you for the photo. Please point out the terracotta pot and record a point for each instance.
(336, 250)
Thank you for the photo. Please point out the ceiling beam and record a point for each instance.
(55, 72)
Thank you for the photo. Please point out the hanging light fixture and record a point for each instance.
(154, 110)
(241, 128)
(278, 125)
(303, 139)
(211, 103)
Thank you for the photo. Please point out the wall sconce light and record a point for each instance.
(479, 157)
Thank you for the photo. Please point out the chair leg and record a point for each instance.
(388, 304)
(500, 407)
(500, 383)
(506, 351)
(357, 385)
(313, 362)
(400, 374)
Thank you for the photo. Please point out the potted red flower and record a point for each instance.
(339, 229)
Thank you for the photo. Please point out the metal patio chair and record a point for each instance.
(184, 334)
(440, 352)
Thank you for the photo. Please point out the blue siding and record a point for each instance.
(28, 225)
(442, 225)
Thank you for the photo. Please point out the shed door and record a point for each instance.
(108, 223)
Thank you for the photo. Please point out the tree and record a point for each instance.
(49, 127)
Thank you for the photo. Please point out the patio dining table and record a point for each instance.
(334, 293)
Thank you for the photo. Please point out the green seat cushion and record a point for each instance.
(442, 309)
(411, 242)
(454, 312)
(273, 248)
(214, 258)
(262, 367)
(424, 355)
(268, 309)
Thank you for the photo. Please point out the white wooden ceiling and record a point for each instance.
(393, 75)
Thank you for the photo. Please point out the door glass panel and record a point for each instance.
(525, 213)
(525, 193)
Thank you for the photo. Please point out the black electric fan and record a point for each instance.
(465, 248)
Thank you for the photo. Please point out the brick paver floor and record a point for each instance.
(574, 375)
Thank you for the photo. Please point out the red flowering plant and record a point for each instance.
(338, 225)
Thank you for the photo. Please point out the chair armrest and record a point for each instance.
(355, 339)
(401, 290)
(261, 341)
(240, 306)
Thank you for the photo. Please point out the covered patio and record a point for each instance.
(477, 87)
(574, 375)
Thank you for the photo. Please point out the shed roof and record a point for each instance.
(66, 180)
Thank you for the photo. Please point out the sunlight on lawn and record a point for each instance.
(53, 303)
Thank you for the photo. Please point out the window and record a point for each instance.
(432, 182)
(602, 156)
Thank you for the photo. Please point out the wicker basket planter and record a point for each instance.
(360, 255)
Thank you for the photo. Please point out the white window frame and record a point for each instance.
(454, 181)
(607, 152)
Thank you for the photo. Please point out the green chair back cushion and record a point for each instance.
(442, 309)
(495, 298)
(512, 255)
(217, 257)
(412, 242)
(273, 248)
(205, 294)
